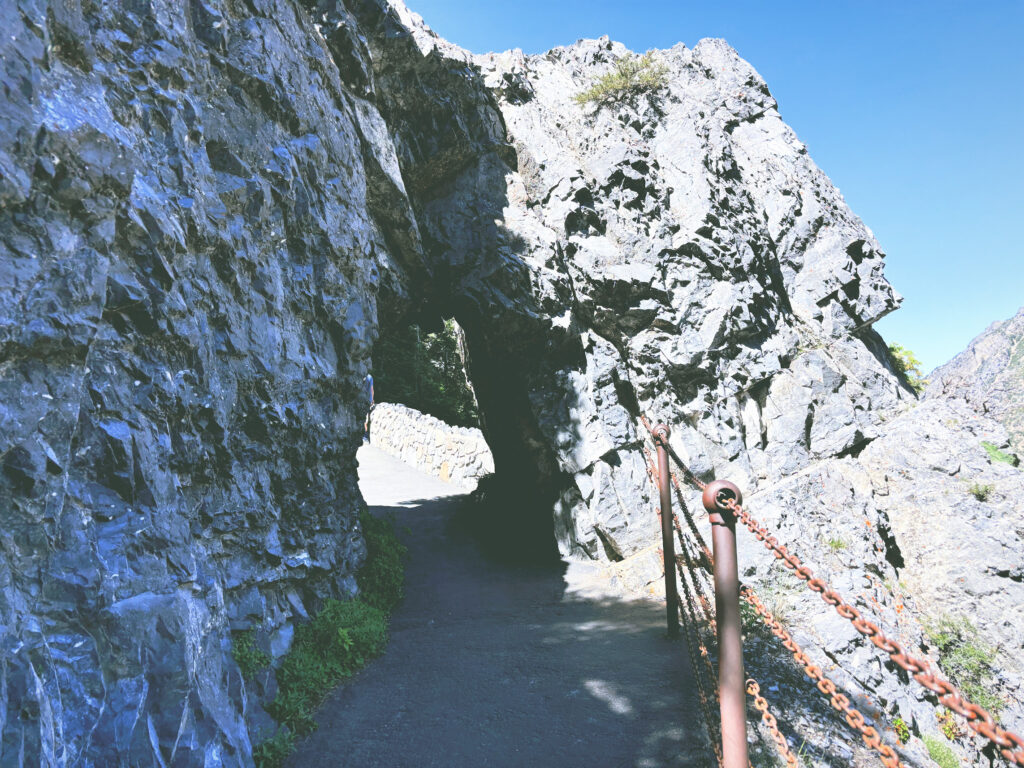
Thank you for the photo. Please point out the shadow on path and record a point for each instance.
(493, 663)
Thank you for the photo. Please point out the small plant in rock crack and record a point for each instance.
(906, 362)
(965, 659)
(836, 544)
(947, 724)
(247, 656)
(902, 730)
(997, 455)
(941, 753)
(981, 491)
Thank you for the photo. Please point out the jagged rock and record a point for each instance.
(204, 214)
(989, 376)
(197, 209)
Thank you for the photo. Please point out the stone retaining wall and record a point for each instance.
(457, 455)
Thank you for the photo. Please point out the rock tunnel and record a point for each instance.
(207, 216)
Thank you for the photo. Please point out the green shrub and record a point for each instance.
(424, 371)
(996, 455)
(906, 362)
(948, 725)
(382, 576)
(836, 544)
(273, 752)
(940, 752)
(632, 76)
(981, 491)
(902, 730)
(965, 659)
(340, 640)
(247, 656)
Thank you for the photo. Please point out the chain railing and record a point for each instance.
(723, 502)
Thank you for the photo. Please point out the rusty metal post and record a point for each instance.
(668, 546)
(727, 614)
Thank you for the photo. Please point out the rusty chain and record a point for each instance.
(692, 625)
(838, 700)
(761, 705)
(1011, 746)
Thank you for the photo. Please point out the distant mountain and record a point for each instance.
(989, 376)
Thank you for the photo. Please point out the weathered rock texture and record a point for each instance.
(203, 205)
(989, 376)
(458, 455)
(680, 256)
(197, 201)
(899, 531)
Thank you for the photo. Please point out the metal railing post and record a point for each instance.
(668, 547)
(727, 615)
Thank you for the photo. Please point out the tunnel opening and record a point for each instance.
(427, 360)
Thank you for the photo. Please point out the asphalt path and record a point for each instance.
(497, 662)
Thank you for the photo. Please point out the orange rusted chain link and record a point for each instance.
(1011, 745)
(761, 705)
(691, 524)
(838, 700)
(705, 603)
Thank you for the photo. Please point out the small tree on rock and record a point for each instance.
(632, 76)
(906, 362)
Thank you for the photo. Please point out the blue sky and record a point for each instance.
(913, 109)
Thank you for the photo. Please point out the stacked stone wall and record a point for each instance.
(458, 455)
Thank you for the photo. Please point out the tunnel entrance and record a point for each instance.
(431, 363)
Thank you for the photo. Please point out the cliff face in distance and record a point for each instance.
(989, 376)
(207, 208)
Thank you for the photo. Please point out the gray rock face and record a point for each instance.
(899, 532)
(680, 256)
(205, 210)
(196, 208)
(989, 376)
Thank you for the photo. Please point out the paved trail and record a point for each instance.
(493, 663)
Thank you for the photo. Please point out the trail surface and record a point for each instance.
(495, 663)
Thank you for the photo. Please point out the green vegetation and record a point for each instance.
(908, 364)
(247, 656)
(632, 76)
(981, 491)
(996, 455)
(948, 725)
(273, 752)
(342, 638)
(965, 659)
(836, 544)
(940, 752)
(902, 730)
(382, 575)
(425, 371)
(774, 601)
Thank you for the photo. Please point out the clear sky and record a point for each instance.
(913, 109)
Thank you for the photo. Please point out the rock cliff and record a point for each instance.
(989, 376)
(205, 210)
(197, 209)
